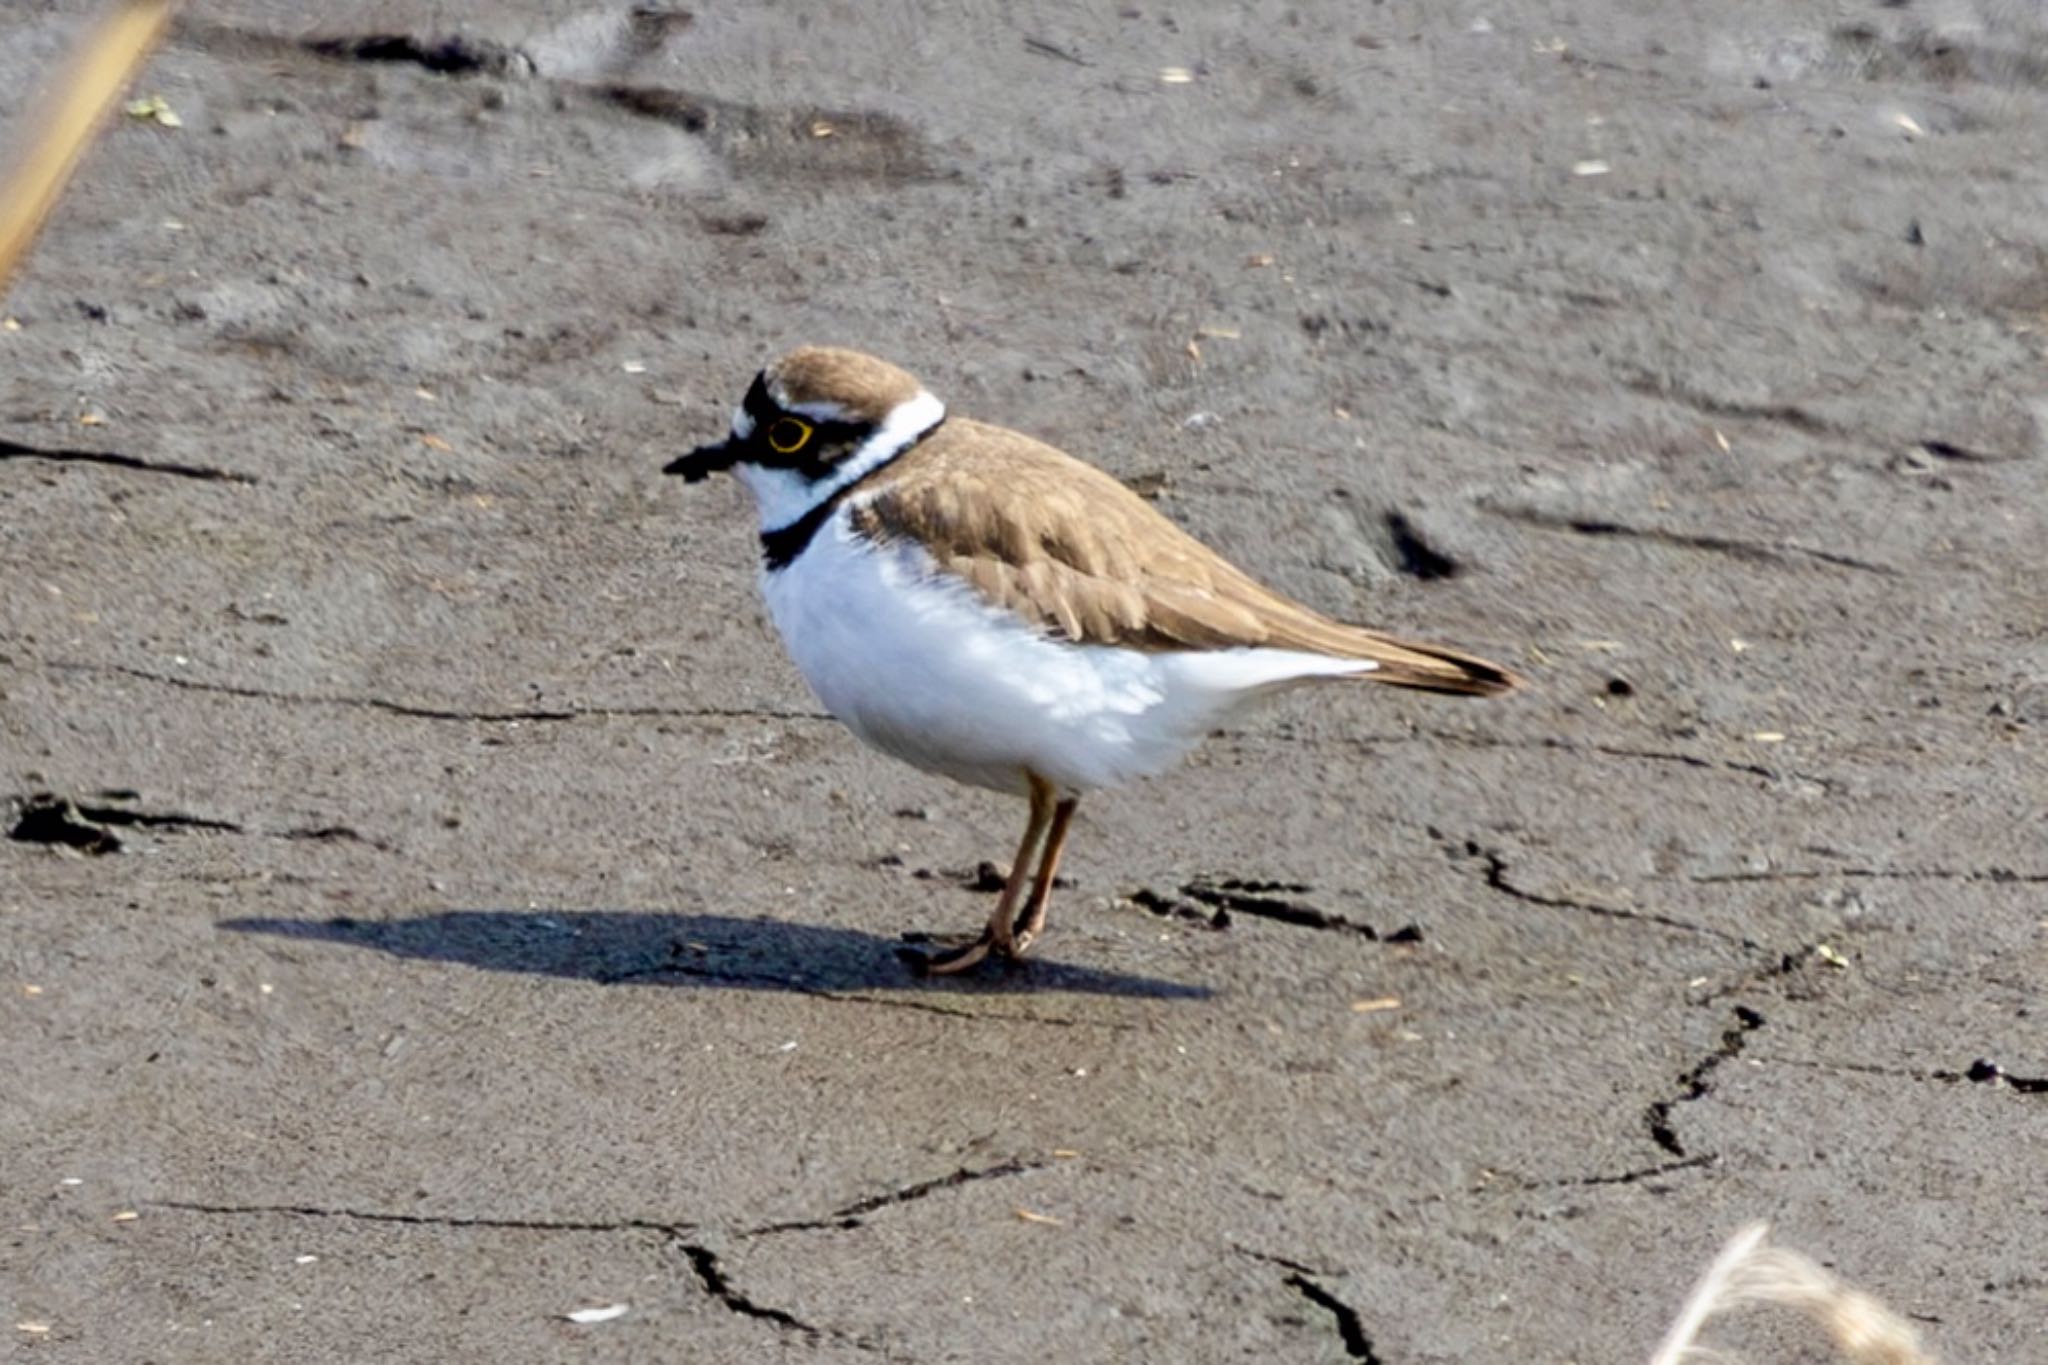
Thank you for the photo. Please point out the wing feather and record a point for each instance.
(1081, 557)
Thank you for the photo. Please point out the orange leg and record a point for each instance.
(1031, 922)
(997, 936)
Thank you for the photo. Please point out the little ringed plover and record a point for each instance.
(985, 607)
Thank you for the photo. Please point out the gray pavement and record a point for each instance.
(450, 911)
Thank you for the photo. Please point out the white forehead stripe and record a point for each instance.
(823, 410)
(742, 423)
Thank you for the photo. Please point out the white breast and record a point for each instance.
(918, 665)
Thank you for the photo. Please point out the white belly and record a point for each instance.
(918, 665)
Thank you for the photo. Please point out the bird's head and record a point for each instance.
(813, 422)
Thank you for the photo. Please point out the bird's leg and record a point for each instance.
(1031, 920)
(997, 936)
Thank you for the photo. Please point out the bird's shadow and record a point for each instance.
(619, 947)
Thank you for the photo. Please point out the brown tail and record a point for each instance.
(1432, 668)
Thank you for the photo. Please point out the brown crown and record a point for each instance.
(867, 388)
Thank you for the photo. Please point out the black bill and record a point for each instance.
(701, 463)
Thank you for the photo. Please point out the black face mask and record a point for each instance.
(808, 445)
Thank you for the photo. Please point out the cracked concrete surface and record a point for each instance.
(486, 924)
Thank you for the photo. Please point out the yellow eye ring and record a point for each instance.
(788, 435)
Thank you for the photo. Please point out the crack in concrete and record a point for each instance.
(1167, 907)
(447, 55)
(47, 818)
(1519, 1183)
(1827, 784)
(1786, 965)
(422, 711)
(854, 1215)
(1787, 414)
(1496, 876)
(455, 55)
(327, 834)
(15, 450)
(1254, 898)
(1284, 1262)
(771, 139)
(1983, 1071)
(1638, 1175)
(1234, 896)
(2001, 876)
(50, 818)
(1055, 51)
(1696, 1082)
(1959, 454)
(703, 1261)
(1350, 1328)
(1473, 740)
(704, 1264)
(427, 1219)
(1756, 551)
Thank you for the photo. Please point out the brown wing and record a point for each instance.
(1076, 553)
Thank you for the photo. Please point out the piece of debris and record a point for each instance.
(156, 109)
(1376, 1004)
(1150, 484)
(583, 1317)
(1590, 167)
(1028, 1216)
(1751, 1271)
(1175, 75)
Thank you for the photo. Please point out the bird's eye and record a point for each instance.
(788, 435)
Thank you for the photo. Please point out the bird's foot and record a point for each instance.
(964, 955)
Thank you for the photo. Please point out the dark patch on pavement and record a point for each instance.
(48, 818)
(1415, 556)
(453, 55)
